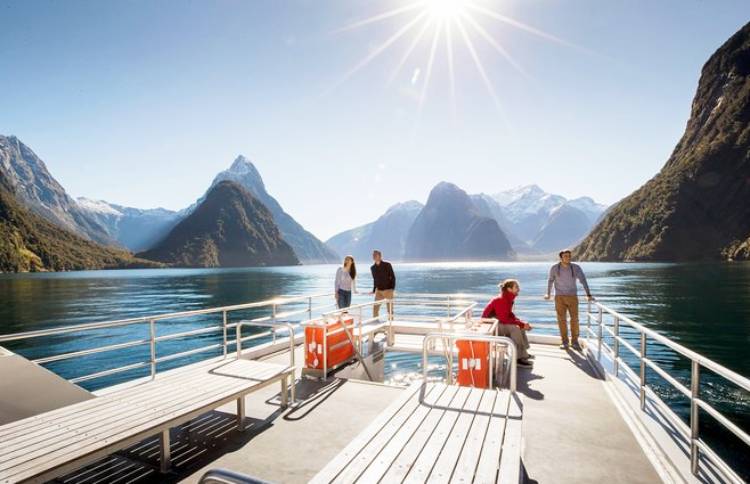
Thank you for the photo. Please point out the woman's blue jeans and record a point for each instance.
(344, 299)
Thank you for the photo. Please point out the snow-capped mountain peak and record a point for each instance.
(97, 206)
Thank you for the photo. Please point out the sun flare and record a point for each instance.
(438, 25)
(446, 9)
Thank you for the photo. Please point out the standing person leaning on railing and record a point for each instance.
(501, 308)
(383, 282)
(346, 283)
(563, 276)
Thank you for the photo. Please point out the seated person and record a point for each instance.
(501, 308)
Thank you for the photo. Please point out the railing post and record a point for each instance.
(273, 318)
(224, 331)
(325, 350)
(617, 347)
(152, 341)
(695, 383)
(449, 306)
(309, 307)
(238, 343)
(643, 371)
(601, 335)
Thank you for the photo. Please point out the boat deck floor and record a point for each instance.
(572, 430)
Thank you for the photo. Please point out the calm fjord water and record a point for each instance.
(704, 307)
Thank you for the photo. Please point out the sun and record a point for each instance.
(446, 9)
(444, 25)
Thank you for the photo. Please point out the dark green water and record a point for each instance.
(704, 307)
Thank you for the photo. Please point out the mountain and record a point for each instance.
(565, 227)
(28, 242)
(229, 228)
(489, 207)
(449, 227)
(696, 207)
(308, 248)
(589, 207)
(134, 228)
(528, 209)
(541, 222)
(34, 186)
(388, 234)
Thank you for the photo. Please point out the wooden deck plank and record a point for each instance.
(124, 410)
(335, 466)
(510, 462)
(454, 444)
(63, 436)
(368, 453)
(489, 460)
(381, 464)
(469, 457)
(409, 453)
(93, 451)
(85, 407)
(426, 460)
(150, 387)
(238, 378)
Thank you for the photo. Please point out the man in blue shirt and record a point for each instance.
(563, 276)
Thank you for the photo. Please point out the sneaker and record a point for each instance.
(524, 363)
(564, 346)
(577, 346)
(531, 357)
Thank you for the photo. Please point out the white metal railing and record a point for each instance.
(153, 340)
(457, 306)
(596, 311)
(449, 340)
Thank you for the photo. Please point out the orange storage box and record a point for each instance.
(338, 347)
(473, 364)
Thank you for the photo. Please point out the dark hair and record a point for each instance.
(352, 268)
(508, 283)
(376, 251)
(565, 251)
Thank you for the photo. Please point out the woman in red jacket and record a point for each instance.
(501, 308)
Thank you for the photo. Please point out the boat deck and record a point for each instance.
(568, 419)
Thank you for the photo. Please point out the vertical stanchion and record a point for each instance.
(601, 335)
(309, 307)
(695, 383)
(238, 342)
(643, 370)
(152, 341)
(224, 331)
(616, 344)
(273, 318)
(325, 350)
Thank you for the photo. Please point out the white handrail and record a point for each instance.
(451, 338)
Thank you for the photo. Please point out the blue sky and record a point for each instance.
(141, 103)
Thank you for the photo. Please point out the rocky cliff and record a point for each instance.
(698, 206)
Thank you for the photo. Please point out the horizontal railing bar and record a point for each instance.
(730, 375)
(192, 332)
(669, 378)
(264, 334)
(718, 462)
(741, 434)
(159, 317)
(181, 354)
(110, 372)
(101, 349)
(627, 345)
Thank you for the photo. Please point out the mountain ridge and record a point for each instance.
(696, 207)
(229, 228)
(33, 185)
